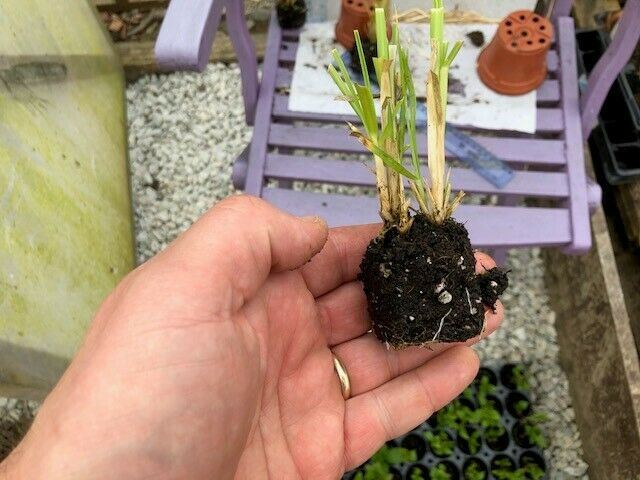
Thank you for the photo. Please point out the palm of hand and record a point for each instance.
(214, 360)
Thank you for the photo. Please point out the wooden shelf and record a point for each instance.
(138, 59)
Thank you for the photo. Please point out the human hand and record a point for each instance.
(214, 360)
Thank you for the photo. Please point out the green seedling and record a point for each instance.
(440, 442)
(416, 474)
(474, 472)
(532, 430)
(530, 471)
(519, 377)
(485, 388)
(440, 472)
(468, 394)
(447, 417)
(521, 406)
(378, 467)
(473, 439)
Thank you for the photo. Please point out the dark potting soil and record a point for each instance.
(370, 50)
(291, 14)
(421, 286)
(493, 284)
(476, 38)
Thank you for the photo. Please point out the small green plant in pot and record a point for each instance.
(440, 443)
(474, 470)
(379, 467)
(527, 431)
(418, 273)
(442, 471)
(291, 13)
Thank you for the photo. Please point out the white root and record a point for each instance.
(472, 310)
(441, 325)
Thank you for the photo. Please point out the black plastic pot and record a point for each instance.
(515, 403)
(415, 442)
(479, 465)
(486, 372)
(497, 463)
(499, 443)
(291, 15)
(505, 446)
(424, 471)
(520, 436)
(440, 454)
(615, 142)
(468, 446)
(451, 468)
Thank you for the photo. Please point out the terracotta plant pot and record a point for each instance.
(515, 62)
(354, 15)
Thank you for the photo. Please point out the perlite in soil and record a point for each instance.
(419, 272)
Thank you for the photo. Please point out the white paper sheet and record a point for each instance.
(471, 103)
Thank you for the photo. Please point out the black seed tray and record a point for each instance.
(503, 397)
(616, 140)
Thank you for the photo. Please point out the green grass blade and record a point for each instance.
(387, 159)
(381, 33)
(452, 54)
(369, 117)
(363, 61)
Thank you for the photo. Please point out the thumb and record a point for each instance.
(241, 240)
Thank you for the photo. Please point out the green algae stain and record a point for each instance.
(66, 233)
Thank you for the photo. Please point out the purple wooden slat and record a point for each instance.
(578, 200)
(552, 61)
(610, 64)
(186, 36)
(513, 150)
(292, 34)
(549, 120)
(288, 51)
(548, 92)
(561, 8)
(258, 150)
(288, 55)
(353, 172)
(488, 226)
(246, 54)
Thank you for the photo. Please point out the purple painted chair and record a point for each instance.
(549, 164)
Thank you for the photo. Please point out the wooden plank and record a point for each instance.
(513, 150)
(258, 148)
(289, 49)
(138, 58)
(549, 120)
(628, 201)
(489, 226)
(549, 91)
(578, 202)
(66, 237)
(125, 5)
(353, 172)
(597, 348)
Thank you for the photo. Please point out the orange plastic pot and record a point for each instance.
(515, 62)
(354, 15)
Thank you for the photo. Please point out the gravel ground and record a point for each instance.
(186, 130)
